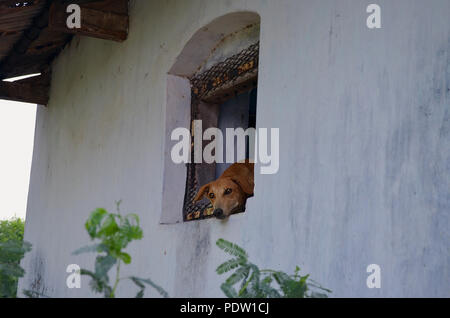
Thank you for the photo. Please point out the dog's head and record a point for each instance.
(227, 195)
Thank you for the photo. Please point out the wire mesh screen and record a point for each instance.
(201, 209)
(228, 73)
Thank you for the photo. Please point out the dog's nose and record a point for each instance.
(218, 213)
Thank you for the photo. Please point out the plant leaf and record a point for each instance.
(108, 227)
(253, 286)
(232, 249)
(140, 294)
(89, 249)
(102, 266)
(98, 284)
(238, 275)
(141, 281)
(228, 290)
(94, 221)
(126, 258)
(228, 266)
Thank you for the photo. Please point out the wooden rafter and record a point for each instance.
(33, 90)
(98, 19)
(12, 65)
(31, 45)
(34, 32)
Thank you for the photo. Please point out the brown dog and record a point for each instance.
(229, 193)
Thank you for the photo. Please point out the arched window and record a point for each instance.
(213, 82)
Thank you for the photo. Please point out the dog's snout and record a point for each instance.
(218, 213)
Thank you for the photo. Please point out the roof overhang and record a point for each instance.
(33, 33)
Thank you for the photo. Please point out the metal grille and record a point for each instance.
(200, 210)
(225, 72)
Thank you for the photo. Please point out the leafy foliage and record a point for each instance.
(256, 283)
(113, 233)
(11, 230)
(12, 250)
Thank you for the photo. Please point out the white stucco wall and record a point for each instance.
(364, 118)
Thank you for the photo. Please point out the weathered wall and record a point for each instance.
(364, 177)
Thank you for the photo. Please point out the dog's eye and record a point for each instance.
(228, 191)
(211, 195)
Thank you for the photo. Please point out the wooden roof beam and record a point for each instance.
(19, 49)
(99, 21)
(33, 90)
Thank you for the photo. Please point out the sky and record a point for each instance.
(17, 122)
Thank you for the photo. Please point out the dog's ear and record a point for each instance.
(201, 193)
(245, 183)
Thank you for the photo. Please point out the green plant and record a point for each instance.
(256, 283)
(12, 250)
(113, 232)
(11, 230)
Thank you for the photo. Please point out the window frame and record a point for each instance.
(233, 76)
